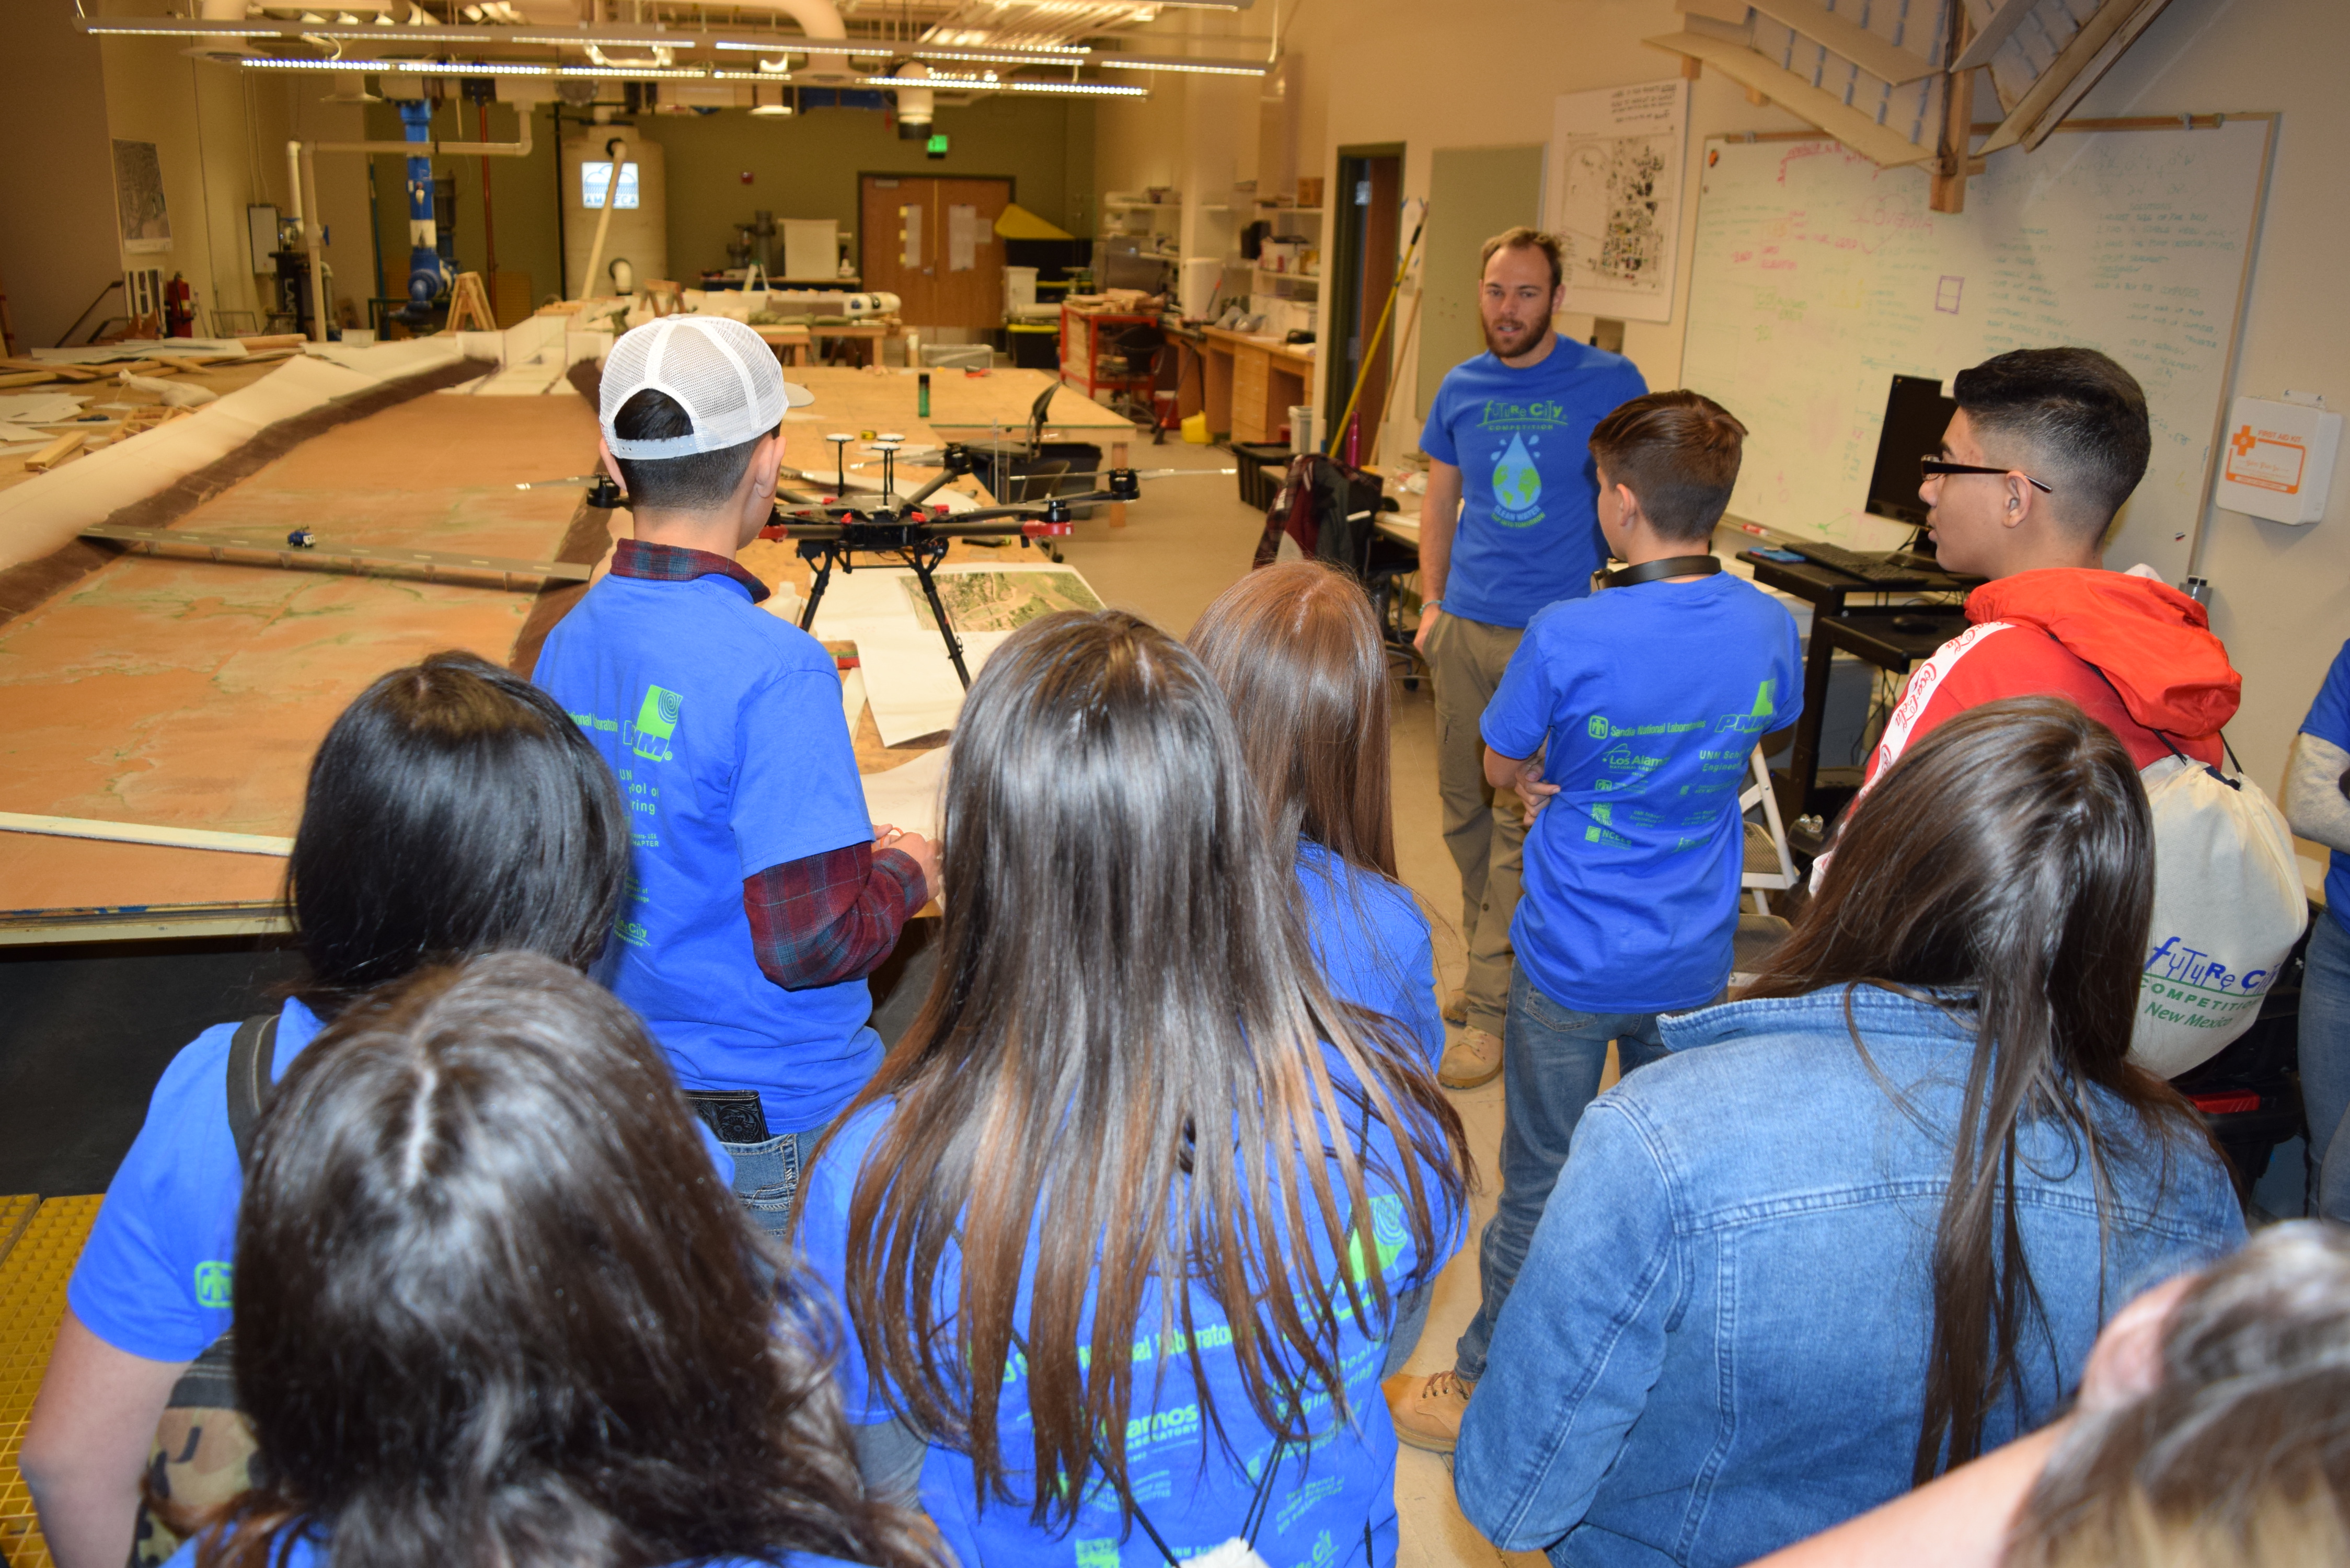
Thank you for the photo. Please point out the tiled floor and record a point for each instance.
(1184, 544)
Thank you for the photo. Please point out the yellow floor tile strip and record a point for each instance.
(33, 1275)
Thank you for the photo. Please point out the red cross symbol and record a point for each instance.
(2243, 442)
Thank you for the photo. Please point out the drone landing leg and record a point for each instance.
(823, 564)
(922, 564)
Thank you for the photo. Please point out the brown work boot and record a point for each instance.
(1456, 1006)
(1427, 1411)
(1473, 1057)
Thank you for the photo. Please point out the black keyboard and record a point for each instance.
(1885, 569)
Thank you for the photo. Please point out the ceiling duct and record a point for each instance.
(914, 103)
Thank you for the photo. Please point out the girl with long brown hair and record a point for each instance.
(495, 1306)
(1297, 649)
(1864, 1223)
(1122, 1221)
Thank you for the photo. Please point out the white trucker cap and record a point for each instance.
(720, 372)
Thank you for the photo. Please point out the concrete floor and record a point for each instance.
(1184, 544)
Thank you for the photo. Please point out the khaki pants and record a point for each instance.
(1486, 834)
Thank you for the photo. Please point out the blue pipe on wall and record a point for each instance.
(427, 273)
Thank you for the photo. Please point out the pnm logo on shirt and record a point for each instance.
(213, 1281)
(656, 724)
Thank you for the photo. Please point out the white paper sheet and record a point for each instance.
(38, 408)
(910, 683)
(811, 248)
(907, 797)
(962, 238)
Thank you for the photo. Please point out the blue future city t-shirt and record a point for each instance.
(1529, 528)
(2329, 719)
(1650, 700)
(1195, 1486)
(723, 725)
(1373, 944)
(157, 1276)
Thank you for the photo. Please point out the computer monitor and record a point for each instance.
(1916, 414)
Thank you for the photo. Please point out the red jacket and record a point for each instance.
(2052, 632)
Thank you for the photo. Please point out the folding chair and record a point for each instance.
(1769, 868)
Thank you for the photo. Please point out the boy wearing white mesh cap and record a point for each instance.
(762, 894)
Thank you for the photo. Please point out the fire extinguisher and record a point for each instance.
(180, 307)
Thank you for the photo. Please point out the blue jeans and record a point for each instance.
(767, 1177)
(1551, 1058)
(2325, 1061)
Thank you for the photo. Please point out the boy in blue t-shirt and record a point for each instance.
(761, 895)
(1624, 721)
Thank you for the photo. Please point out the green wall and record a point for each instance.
(804, 166)
(807, 165)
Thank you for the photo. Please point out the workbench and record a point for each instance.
(790, 343)
(1250, 382)
(963, 408)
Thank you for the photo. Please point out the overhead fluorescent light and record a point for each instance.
(991, 83)
(1200, 67)
(165, 27)
(721, 73)
(395, 35)
(636, 73)
(404, 67)
(1074, 90)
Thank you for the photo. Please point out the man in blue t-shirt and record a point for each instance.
(2318, 806)
(1624, 724)
(761, 895)
(1505, 441)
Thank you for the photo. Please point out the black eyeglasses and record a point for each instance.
(1934, 468)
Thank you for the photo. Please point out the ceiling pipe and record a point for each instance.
(517, 148)
(615, 150)
(819, 19)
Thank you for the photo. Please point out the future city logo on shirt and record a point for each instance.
(1517, 482)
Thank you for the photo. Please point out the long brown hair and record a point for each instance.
(2004, 868)
(1297, 650)
(493, 1304)
(1122, 1055)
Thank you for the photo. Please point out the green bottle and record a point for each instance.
(923, 397)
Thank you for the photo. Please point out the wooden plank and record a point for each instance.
(1799, 97)
(2070, 62)
(2005, 15)
(55, 452)
(1887, 61)
(145, 832)
(141, 923)
(2094, 73)
(221, 546)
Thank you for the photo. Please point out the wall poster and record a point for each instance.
(138, 198)
(1613, 195)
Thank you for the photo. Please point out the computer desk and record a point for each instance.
(1863, 630)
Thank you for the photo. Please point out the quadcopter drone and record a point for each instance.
(831, 529)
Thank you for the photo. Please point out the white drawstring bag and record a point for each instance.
(2228, 907)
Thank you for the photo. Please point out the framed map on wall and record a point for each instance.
(1614, 196)
(138, 198)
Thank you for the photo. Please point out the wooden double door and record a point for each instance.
(931, 240)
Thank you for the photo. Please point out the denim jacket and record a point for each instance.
(1718, 1344)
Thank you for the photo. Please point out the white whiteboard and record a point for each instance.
(1818, 277)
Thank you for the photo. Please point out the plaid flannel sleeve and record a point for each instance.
(829, 917)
